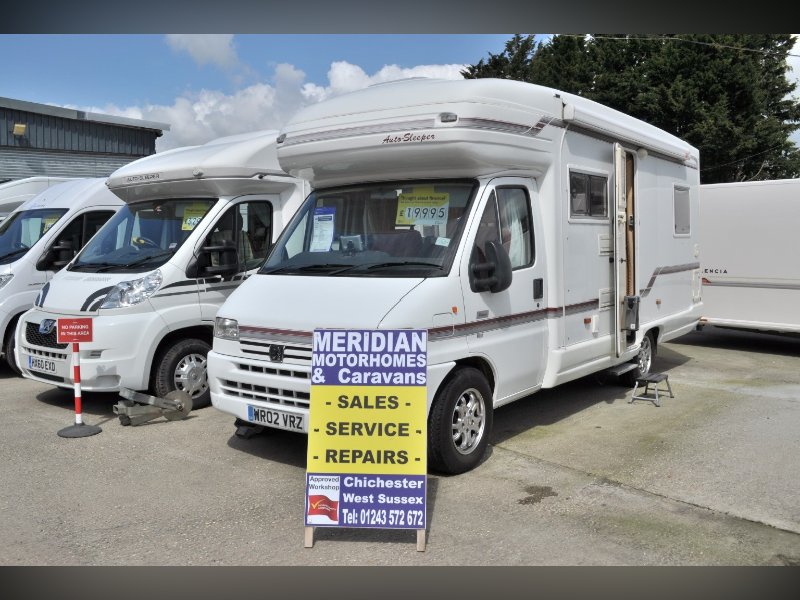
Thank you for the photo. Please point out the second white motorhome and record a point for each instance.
(41, 236)
(750, 267)
(537, 236)
(196, 222)
(14, 193)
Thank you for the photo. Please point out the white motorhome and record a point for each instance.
(536, 235)
(41, 236)
(750, 268)
(196, 222)
(14, 193)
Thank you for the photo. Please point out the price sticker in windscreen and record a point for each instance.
(423, 207)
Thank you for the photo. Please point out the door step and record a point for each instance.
(622, 368)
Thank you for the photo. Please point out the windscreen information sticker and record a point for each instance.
(323, 229)
(48, 222)
(192, 215)
(423, 207)
(367, 435)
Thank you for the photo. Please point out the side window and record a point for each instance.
(516, 225)
(681, 209)
(488, 228)
(70, 238)
(93, 221)
(246, 227)
(256, 233)
(507, 219)
(588, 195)
(82, 228)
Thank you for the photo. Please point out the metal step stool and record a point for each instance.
(646, 380)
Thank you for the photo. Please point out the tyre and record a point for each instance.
(9, 345)
(182, 366)
(643, 360)
(460, 422)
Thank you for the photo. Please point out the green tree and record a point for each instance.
(726, 94)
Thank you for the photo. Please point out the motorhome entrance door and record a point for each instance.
(624, 243)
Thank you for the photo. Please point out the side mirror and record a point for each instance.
(495, 274)
(56, 257)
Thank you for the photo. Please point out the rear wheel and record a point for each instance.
(9, 345)
(643, 360)
(460, 422)
(182, 366)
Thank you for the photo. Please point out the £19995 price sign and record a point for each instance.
(367, 446)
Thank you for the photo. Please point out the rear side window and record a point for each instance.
(681, 206)
(588, 195)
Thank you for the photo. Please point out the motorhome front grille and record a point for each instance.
(295, 354)
(269, 395)
(46, 340)
(284, 372)
(45, 353)
(49, 377)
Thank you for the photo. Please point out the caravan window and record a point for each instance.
(681, 209)
(588, 195)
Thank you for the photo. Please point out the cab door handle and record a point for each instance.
(538, 288)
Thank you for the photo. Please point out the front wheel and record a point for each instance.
(182, 366)
(643, 360)
(9, 345)
(460, 422)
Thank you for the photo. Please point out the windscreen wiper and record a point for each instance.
(92, 266)
(322, 268)
(107, 266)
(402, 263)
(14, 253)
(145, 259)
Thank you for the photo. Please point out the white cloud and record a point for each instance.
(214, 49)
(198, 117)
(344, 77)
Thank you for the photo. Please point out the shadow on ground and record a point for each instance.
(745, 341)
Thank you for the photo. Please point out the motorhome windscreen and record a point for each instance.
(142, 235)
(23, 229)
(396, 229)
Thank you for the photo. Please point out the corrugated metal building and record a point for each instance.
(43, 140)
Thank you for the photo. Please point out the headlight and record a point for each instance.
(226, 329)
(128, 293)
(4, 279)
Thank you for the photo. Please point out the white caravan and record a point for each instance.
(14, 193)
(41, 236)
(197, 221)
(536, 235)
(750, 268)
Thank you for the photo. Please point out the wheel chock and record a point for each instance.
(138, 408)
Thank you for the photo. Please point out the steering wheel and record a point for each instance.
(144, 242)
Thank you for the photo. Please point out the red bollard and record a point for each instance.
(79, 429)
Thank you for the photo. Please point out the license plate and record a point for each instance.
(41, 365)
(275, 418)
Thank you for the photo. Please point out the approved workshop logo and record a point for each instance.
(322, 506)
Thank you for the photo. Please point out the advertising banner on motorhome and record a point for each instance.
(367, 434)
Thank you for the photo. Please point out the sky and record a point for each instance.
(207, 86)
